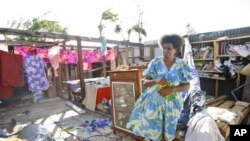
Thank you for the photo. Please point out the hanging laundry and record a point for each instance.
(25, 50)
(87, 66)
(68, 56)
(11, 72)
(34, 68)
(54, 57)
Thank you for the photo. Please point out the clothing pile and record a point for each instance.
(227, 67)
(228, 49)
(203, 52)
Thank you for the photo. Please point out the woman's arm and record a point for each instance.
(168, 90)
(149, 81)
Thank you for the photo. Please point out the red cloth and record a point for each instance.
(103, 93)
(11, 72)
(5, 92)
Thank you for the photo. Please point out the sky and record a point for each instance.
(82, 17)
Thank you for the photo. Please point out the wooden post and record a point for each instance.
(152, 52)
(133, 54)
(104, 66)
(216, 88)
(59, 81)
(142, 52)
(127, 62)
(66, 70)
(80, 68)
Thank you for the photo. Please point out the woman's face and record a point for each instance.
(168, 50)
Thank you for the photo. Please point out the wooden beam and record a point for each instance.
(27, 43)
(80, 68)
(17, 32)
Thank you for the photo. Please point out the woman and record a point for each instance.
(157, 110)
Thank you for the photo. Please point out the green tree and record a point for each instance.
(106, 16)
(36, 25)
(111, 17)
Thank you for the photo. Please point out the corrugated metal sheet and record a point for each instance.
(214, 35)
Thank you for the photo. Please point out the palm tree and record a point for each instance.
(106, 16)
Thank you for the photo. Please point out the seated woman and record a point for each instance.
(157, 110)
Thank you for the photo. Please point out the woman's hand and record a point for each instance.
(165, 91)
(149, 83)
(162, 81)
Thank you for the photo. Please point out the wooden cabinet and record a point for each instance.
(126, 87)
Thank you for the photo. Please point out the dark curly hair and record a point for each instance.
(176, 40)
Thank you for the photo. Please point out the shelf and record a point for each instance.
(213, 77)
(207, 59)
(208, 71)
(228, 56)
(201, 42)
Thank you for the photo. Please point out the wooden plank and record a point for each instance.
(216, 100)
(238, 108)
(216, 49)
(206, 59)
(228, 55)
(80, 68)
(245, 114)
(216, 104)
(27, 43)
(227, 104)
(216, 78)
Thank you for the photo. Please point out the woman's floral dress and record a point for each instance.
(152, 114)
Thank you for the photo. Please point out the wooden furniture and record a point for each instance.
(126, 87)
(233, 106)
(205, 62)
(224, 103)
